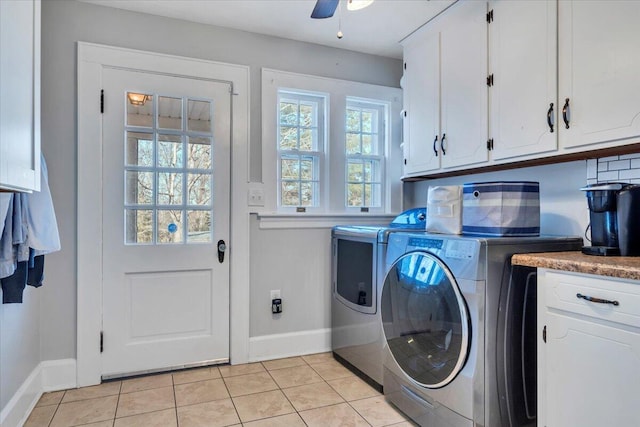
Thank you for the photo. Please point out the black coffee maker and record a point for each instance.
(603, 215)
(628, 219)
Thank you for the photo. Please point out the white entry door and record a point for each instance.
(166, 171)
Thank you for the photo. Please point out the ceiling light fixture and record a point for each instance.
(358, 4)
(137, 98)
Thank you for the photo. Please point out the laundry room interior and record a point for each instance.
(226, 212)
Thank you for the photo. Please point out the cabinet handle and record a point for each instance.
(549, 117)
(565, 113)
(444, 153)
(597, 300)
(435, 149)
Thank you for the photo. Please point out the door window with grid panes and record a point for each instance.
(168, 169)
(364, 153)
(300, 148)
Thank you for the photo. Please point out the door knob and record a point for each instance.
(221, 248)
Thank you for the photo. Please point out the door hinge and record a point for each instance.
(101, 101)
(490, 144)
(544, 333)
(101, 341)
(490, 16)
(490, 80)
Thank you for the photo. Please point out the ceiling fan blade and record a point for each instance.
(324, 9)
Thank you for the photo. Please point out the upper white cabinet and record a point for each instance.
(463, 104)
(421, 99)
(588, 350)
(20, 99)
(444, 92)
(523, 92)
(562, 79)
(599, 59)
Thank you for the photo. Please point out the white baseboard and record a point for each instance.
(50, 375)
(15, 413)
(58, 374)
(277, 346)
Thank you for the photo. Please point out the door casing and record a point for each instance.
(91, 59)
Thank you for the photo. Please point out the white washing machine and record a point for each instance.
(358, 263)
(460, 325)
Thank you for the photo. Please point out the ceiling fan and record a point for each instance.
(326, 8)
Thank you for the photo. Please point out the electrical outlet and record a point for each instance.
(256, 197)
(276, 302)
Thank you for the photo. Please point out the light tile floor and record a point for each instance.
(312, 390)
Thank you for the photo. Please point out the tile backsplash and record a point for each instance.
(625, 168)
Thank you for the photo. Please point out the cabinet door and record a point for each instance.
(599, 59)
(592, 371)
(20, 100)
(421, 96)
(463, 56)
(522, 58)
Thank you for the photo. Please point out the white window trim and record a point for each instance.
(384, 134)
(334, 168)
(320, 153)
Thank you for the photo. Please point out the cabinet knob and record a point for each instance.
(435, 146)
(550, 117)
(444, 153)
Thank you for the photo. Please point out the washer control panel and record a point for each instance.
(460, 249)
(425, 243)
(460, 254)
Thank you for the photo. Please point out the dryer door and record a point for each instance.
(425, 319)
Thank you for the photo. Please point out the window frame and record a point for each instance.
(184, 134)
(318, 152)
(333, 178)
(382, 109)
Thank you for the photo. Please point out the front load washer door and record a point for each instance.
(425, 319)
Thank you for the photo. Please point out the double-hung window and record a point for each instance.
(365, 139)
(329, 147)
(301, 146)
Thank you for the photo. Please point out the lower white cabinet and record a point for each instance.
(588, 350)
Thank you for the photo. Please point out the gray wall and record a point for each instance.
(65, 22)
(19, 343)
(563, 207)
(297, 262)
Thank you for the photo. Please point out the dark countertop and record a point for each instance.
(575, 261)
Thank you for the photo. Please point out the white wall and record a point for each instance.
(563, 207)
(624, 168)
(66, 22)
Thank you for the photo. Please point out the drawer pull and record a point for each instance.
(597, 300)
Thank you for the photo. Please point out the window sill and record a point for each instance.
(271, 221)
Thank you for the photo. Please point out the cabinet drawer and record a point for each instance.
(613, 300)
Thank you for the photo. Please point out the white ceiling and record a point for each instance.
(375, 30)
